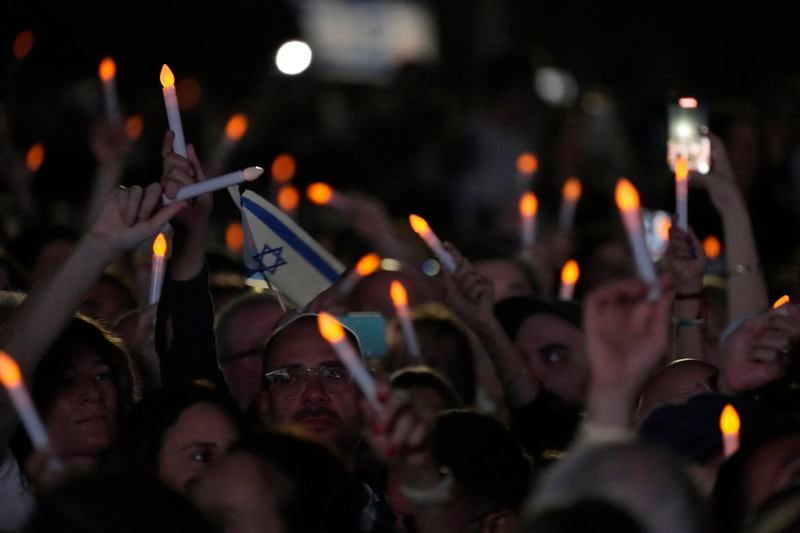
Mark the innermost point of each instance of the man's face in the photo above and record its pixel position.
(334, 416)
(555, 352)
(248, 329)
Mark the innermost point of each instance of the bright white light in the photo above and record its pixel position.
(392, 265)
(293, 57)
(555, 86)
(683, 130)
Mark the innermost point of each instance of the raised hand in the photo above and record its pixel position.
(627, 338)
(720, 182)
(468, 293)
(686, 260)
(759, 350)
(178, 172)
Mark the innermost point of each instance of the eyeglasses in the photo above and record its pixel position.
(291, 382)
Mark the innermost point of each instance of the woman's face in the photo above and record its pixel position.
(82, 420)
(202, 432)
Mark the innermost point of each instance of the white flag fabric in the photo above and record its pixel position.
(278, 251)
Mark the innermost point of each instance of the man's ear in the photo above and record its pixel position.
(263, 406)
(503, 521)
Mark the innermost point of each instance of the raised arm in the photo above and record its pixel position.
(127, 217)
(747, 290)
(472, 297)
(189, 351)
(626, 339)
(686, 261)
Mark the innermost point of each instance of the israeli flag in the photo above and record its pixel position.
(280, 253)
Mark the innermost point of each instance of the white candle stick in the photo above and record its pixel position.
(528, 206)
(332, 331)
(570, 194)
(400, 300)
(569, 277)
(173, 112)
(729, 424)
(157, 268)
(421, 228)
(627, 198)
(215, 184)
(108, 75)
(322, 194)
(682, 193)
(18, 393)
(365, 266)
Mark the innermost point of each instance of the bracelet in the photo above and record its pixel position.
(435, 495)
(690, 296)
(741, 269)
(683, 322)
(509, 381)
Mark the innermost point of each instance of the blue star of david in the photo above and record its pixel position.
(277, 253)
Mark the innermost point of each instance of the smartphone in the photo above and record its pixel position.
(687, 136)
(370, 329)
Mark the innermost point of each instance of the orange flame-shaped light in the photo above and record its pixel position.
(329, 327)
(9, 371)
(681, 169)
(570, 272)
(35, 157)
(398, 294)
(780, 302)
(319, 193)
(712, 247)
(236, 127)
(167, 77)
(234, 236)
(134, 127)
(419, 224)
(283, 168)
(107, 69)
(160, 245)
(626, 195)
(23, 44)
(527, 163)
(288, 198)
(528, 204)
(368, 264)
(729, 422)
(663, 228)
(572, 189)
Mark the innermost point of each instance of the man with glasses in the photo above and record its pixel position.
(305, 384)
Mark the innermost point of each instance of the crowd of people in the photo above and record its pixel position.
(506, 408)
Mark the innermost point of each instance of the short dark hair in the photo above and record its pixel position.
(327, 501)
(428, 378)
(145, 428)
(487, 460)
(227, 313)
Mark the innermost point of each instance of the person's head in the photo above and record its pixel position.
(241, 328)
(83, 385)
(509, 277)
(581, 516)
(767, 463)
(280, 482)
(445, 346)
(550, 337)
(372, 292)
(305, 384)
(108, 299)
(114, 503)
(646, 482)
(42, 250)
(430, 391)
(173, 434)
(492, 473)
(676, 383)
